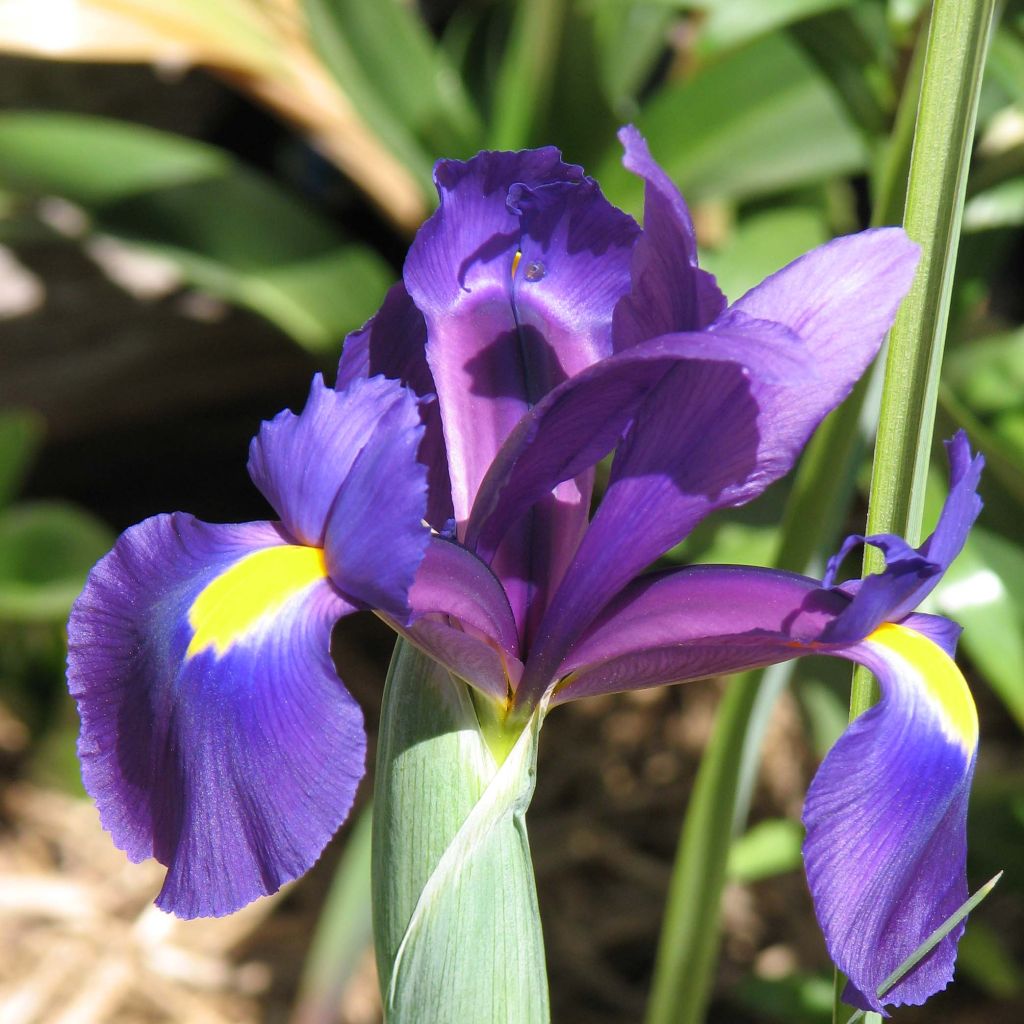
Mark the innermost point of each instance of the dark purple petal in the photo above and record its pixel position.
(694, 622)
(581, 421)
(216, 735)
(707, 438)
(669, 292)
(300, 462)
(910, 574)
(454, 582)
(462, 619)
(886, 822)
(696, 443)
(375, 538)
(393, 344)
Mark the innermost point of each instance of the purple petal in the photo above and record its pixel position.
(454, 582)
(301, 462)
(886, 822)
(695, 444)
(491, 353)
(375, 537)
(696, 622)
(910, 574)
(841, 299)
(216, 735)
(393, 344)
(669, 292)
(581, 421)
(463, 620)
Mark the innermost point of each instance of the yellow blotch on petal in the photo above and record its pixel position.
(515, 263)
(255, 587)
(941, 680)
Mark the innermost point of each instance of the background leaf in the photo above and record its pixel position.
(231, 231)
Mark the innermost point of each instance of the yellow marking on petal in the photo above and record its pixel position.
(515, 263)
(942, 681)
(255, 587)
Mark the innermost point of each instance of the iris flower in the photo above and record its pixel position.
(446, 483)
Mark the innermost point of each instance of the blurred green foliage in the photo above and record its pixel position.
(776, 120)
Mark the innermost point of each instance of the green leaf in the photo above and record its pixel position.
(731, 23)
(21, 433)
(631, 38)
(456, 923)
(523, 87)
(46, 549)
(761, 120)
(230, 230)
(402, 83)
(343, 931)
(989, 374)
(768, 848)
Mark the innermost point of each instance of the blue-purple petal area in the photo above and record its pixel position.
(840, 298)
(301, 462)
(393, 344)
(686, 624)
(216, 735)
(669, 292)
(706, 436)
(517, 275)
(886, 820)
(376, 538)
(573, 268)
(459, 275)
(579, 422)
(910, 574)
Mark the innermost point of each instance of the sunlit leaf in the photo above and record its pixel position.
(230, 230)
(46, 549)
(402, 83)
(225, 33)
(768, 848)
(759, 121)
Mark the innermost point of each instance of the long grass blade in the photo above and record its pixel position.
(933, 940)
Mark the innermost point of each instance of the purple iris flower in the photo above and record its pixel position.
(446, 483)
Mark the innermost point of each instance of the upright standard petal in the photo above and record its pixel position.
(517, 275)
(669, 293)
(216, 735)
(492, 353)
(394, 344)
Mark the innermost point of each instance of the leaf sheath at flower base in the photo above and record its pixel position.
(456, 923)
